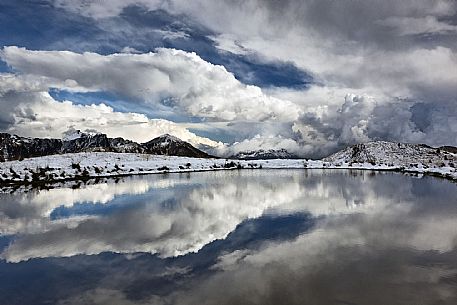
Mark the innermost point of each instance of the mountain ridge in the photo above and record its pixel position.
(14, 147)
(263, 154)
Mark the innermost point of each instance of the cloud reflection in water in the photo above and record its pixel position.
(366, 233)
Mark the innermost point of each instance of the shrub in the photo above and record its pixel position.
(76, 166)
(231, 164)
(85, 173)
(163, 168)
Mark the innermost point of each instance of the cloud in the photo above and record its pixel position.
(418, 26)
(30, 111)
(335, 40)
(175, 78)
(384, 62)
(371, 52)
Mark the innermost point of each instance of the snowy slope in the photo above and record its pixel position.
(397, 156)
(389, 153)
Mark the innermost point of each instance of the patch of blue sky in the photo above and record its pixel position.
(38, 24)
(122, 104)
(118, 204)
(5, 241)
(4, 68)
(163, 199)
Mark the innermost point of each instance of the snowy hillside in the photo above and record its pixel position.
(389, 153)
(397, 156)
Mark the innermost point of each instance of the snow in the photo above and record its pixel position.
(77, 134)
(72, 136)
(107, 164)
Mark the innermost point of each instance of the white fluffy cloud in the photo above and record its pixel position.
(176, 78)
(29, 110)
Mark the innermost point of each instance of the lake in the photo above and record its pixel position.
(232, 237)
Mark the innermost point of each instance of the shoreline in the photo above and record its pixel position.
(81, 167)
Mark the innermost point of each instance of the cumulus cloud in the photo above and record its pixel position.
(29, 110)
(175, 78)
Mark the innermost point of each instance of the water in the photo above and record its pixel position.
(237, 237)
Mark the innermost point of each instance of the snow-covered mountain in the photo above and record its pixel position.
(16, 148)
(396, 154)
(173, 146)
(264, 154)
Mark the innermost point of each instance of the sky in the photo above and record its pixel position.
(228, 76)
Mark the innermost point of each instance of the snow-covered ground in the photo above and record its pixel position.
(105, 164)
(56, 168)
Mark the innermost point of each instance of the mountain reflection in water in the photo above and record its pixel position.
(238, 237)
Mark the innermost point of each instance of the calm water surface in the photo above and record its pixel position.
(238, 237)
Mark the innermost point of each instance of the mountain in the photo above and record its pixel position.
(16, 148)
(172, 146)
(264, 154)
(87, 142)
(397, 154)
